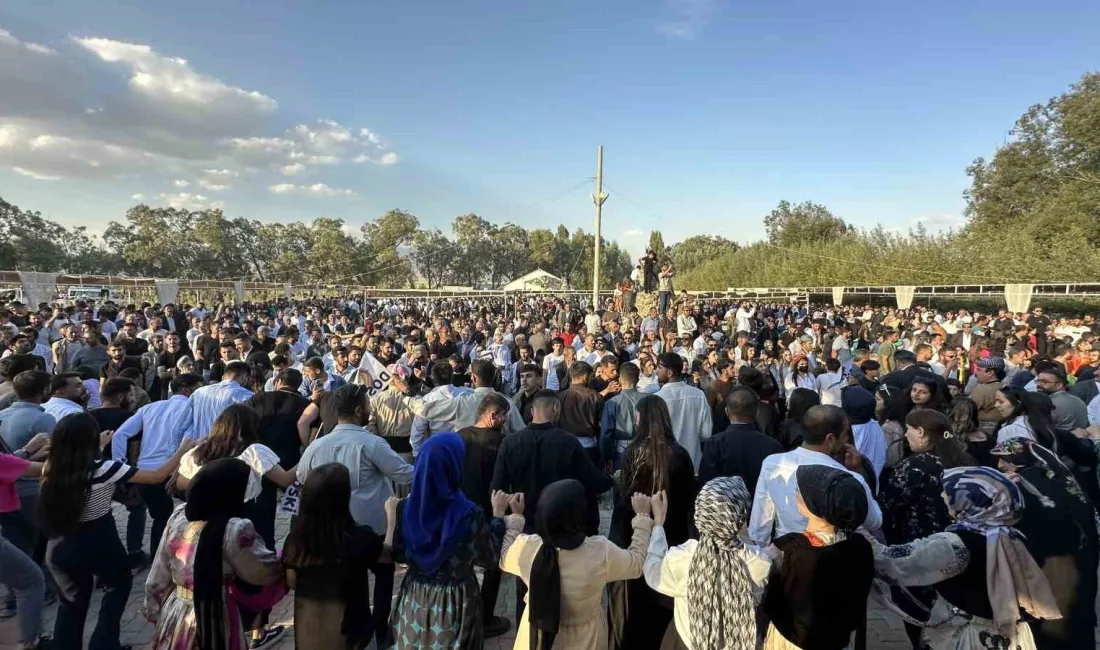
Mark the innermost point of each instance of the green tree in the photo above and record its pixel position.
(434, 255)
(807, 222)
(694, 251)
(657, 243)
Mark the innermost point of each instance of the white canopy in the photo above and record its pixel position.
(537, 280)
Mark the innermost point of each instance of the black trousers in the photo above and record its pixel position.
(160, 505)
(93, 550)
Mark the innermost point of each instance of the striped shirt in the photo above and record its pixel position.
(208, 402)
(101, 487)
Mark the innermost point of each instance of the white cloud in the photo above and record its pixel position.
(138, 197)
(188, 201)
(386, 159)
(688, 18)
(170, 80)
(317, 189)
(939, 221)
(165, 119)
(180, 183)
(361, 158)
(7, 39)
(634, 233)
(35, 175)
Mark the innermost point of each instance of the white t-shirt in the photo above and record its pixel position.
(259, 457)
(829, 386)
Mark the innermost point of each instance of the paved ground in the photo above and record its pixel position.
(884, 629)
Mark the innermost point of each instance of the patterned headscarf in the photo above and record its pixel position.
(719, 587)
(1036, 466)
(987, 502)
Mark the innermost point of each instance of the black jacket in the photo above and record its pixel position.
(539, 455)
(279, 412)
(737, 451)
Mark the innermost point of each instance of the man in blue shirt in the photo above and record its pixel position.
(208, 402)
(161, 426)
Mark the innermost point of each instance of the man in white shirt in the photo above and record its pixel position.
(591, 321)
(1094, 412)
(774, 509)
(744, 317)
(67, 396)
(422, 429)
(688, 408)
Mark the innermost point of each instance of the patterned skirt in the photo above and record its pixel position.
(437, 615)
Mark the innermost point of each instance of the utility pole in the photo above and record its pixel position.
(598, 198)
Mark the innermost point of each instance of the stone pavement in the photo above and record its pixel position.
(884, 631)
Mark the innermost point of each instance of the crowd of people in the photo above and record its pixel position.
(769, 469)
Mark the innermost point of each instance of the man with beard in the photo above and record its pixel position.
(128, 339)
(93, 354)
(1070, 413)
(66, 348)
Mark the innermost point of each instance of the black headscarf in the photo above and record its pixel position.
(561, 521)
(215, 495)
(834, 495)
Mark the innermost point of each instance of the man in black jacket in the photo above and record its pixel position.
(741, 448)
(539, 455)
(279, 412)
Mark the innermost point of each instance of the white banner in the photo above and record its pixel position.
(373, 374)
(286, 289)
(238, 286)
(904, 296)
(38, 287)
(167, 291)
(838, 296)
(291, 498)
(1018, 297)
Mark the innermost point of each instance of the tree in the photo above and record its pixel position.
(695, 251)
(434, 255)
(385, 237)
(657, 244)
(807, 222)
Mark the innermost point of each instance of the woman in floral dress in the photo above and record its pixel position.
(206, 548)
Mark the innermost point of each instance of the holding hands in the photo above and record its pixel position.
(501, 501)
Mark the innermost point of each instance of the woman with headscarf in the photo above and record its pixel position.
(980, 567)
(653, 463)
(1059, 524)
(193, 591)
(441, 535)
(566, 571)
(715, 580)
(817, 589)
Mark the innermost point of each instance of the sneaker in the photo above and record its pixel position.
(496, 625)
(270, 634)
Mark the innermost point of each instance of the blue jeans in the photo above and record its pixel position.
(663, 298)
(19, 572)
(93, 550)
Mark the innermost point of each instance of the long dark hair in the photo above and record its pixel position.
(324, 518)
(647, 459)
(800, 401)
(1037, 408)
(964, 417)
(938, 399)
(74, 450)
(945, 445)
(235, 429)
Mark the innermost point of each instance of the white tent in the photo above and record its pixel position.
(537, 280)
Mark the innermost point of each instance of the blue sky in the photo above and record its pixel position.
(710, 111)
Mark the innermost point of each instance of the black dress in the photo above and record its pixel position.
(638, 613)
(817, 595)
(332, 602)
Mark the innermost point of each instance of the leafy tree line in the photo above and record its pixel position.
(1032, 214)
(390, 251)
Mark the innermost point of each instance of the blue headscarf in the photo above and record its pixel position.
(436, 510)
